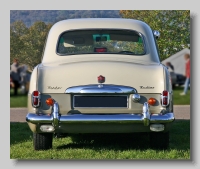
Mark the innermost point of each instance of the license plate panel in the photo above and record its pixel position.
(100, 101)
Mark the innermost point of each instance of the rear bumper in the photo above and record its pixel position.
(57, 120)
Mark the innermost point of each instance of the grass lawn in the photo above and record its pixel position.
(18, 101)
(181, 100)
(101, 146)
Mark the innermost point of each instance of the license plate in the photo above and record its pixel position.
(100, 101)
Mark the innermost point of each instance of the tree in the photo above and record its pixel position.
(27, 44)
(17, 31)
(34, 43)
(173, 25)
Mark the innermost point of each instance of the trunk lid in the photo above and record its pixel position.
(145, 78)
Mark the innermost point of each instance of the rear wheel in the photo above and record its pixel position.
(42, 141)
(159, 140)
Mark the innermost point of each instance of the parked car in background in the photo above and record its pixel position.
(180, 79)
(177, 79)
(100, 76)
(173, 79)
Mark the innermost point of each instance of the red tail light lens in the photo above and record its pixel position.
(36, 99)
(165, 93)
(165, 98)
(35, 93)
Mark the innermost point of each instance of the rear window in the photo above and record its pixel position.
(101, 41)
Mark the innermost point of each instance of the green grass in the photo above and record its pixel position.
(18, 101)
(101, 146)
(181, 100)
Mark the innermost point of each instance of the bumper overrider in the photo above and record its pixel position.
(155, 121)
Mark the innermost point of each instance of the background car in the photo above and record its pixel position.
(180, 79)
(177, 79)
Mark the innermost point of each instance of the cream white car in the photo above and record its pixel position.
(100, 76)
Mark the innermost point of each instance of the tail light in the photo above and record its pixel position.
(36, 99)
(165, 98)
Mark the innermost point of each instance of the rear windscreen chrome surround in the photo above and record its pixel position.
(90, 29)
(100, 101)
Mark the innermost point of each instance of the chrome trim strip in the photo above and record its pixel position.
(105, 88)
(127, 106)
(55, 118)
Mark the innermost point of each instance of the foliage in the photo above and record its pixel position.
(173, 25)
(17, 31)
(27, 37)
(27, 44)
(29, 17)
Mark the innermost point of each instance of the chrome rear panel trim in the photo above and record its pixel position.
(103, 88)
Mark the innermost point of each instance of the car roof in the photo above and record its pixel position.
(118, 23)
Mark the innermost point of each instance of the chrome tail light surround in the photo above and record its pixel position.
(36, 99)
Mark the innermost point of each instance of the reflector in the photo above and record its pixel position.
(35, 101)
(165, 101)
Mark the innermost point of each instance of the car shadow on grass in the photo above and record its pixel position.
(109, 141)
(179, 140)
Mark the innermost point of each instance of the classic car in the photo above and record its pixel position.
(100, 76)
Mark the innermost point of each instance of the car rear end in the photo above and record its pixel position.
(104, 81)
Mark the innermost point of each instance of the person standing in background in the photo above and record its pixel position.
(170, 66)
(187, 74)
(15, 75)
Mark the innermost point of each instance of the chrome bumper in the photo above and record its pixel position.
(56, 119)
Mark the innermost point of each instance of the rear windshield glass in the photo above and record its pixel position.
(101, 41)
